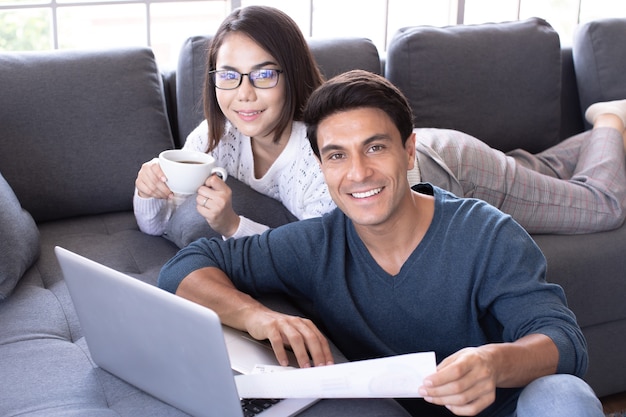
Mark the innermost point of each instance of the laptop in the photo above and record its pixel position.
(172, 348)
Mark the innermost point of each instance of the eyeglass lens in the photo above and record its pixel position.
(262, 78)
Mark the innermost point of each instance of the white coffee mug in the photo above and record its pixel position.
(187, 170)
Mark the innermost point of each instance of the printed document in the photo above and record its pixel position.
(391, 377)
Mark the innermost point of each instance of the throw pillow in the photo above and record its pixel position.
(19, 246)
(187, 225)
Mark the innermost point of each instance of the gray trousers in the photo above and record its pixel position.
(576, 186)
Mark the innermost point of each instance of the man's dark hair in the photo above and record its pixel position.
(352, 90)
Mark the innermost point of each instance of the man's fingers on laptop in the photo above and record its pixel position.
(304, 339)
(296, 341)
(279, 350)
(317, 345)
(307, 343)
(287, 333)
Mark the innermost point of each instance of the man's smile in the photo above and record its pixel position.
(366, 194)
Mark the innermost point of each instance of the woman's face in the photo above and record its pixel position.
(253, 111)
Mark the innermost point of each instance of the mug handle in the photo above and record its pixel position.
(220, 172)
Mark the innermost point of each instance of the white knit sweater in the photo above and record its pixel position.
(294, 179)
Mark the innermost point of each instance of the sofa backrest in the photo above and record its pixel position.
(75, 127)
(498, 82)
(333, 56)
(600, 61)
(572, 117)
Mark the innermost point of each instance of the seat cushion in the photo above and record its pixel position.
(498, 82)
(111, 239)
(600, 61)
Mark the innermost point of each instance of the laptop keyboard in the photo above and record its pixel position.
(251, 407)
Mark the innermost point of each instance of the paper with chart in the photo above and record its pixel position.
(392, 377)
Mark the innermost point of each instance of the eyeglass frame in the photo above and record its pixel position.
(241, 75)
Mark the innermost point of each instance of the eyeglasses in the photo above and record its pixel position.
(229, 79)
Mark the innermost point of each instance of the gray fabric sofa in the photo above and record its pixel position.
(75, 127)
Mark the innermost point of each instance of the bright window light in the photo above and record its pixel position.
(165, 24)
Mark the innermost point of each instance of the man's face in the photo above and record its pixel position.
(365, 164)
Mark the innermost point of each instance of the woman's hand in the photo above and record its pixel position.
(151, 182)
(214, 203)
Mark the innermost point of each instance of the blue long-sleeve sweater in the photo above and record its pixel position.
(477, 277)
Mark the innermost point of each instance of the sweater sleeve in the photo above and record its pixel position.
(240, 259)
(514, 290)
(249, 227)
(276, 261)
(152, 214)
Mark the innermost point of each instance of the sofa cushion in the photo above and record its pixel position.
(19, 246)
(63, 381)
(599, 60)
(590, 268)
(333, 57)
(187, 225)
(111, 239)
(338, 55)
(76, 127)
(189, 85)
(498, 82)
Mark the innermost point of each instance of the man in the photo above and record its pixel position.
(396, 270)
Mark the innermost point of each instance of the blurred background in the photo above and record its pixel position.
(165, 24)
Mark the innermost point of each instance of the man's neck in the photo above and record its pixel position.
(391, 243)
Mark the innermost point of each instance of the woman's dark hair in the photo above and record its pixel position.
(281, 37)
(357, 89)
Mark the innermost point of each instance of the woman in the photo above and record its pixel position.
(260, 72)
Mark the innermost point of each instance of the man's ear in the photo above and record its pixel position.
(409, 146)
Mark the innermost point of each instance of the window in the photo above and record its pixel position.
(69, 24)
(165, 24)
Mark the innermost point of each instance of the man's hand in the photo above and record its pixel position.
(308, 344)
(211, 287)
(465, 382)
